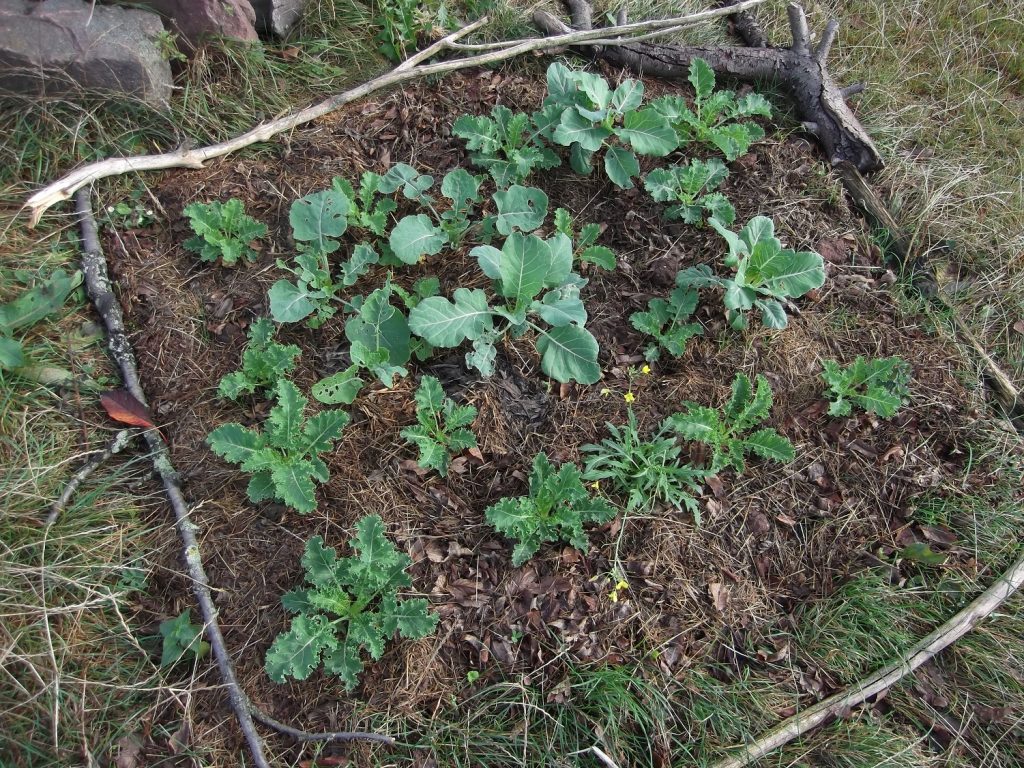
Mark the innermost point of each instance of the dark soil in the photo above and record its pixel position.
(769, 540)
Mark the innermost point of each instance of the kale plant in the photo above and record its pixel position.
(878, 386)
(766, 274)
(583, 113)
(555, 509)
(533, 281)
(665, 320)
(283, 459)
(692, 188)
(367, 210)
(223, 231)
(647, 471)
(506, 144)
(726, 432)
(711, 120)
(264, 361)
(442, 430)
(348, 604)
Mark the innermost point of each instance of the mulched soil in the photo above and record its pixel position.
(769, 540)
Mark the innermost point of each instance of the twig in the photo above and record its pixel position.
(300, 735)
(885, 678)
(118, 444)
(65, 187)
(98, 286)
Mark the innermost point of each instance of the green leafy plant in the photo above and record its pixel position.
(41, 299)
(368, 209)
(665, 320)
(726, 432)
(507, 144)
(555, 509)
(348, 604)
(181, 638)
(223, 231)
(711, 121)
(691, 186)
(264, 361)
(283, 459)
(132, 213)
(419, 235)
(647, 471)
(766, 273)
(533, 281)
(589, 114)
(402, 23)
(442, 430)
(582, 243)
(879, 386)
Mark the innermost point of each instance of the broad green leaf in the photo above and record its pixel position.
(580, 159)
(234, 442)
(416, 236)
(446, 323)
(599, 255)
(320, 431)
(344, 662)
(296, 653)
(561, 84)
(524, 265)
(769, 444)
(411, 181)
(429, 395)
(773, 314)
(289, 303)
(35, 303)
(563, 222)
(558, 311)
(483, 355)
(294, 486)
(648, 132)
(319, 563)
(461, 187)
(621, 166)
(11, 354)
(574, 128)
(284, 424)
(629, 95)
(363, 257)
(180, 638)
(702, 78)
(478, 132)
(569, 353)
(261, 488)
(342, 387)
(413, 619)
(489, 259)
(879, 401)
(520, 208)
(698, 423)
(595, 87)
(319, 217)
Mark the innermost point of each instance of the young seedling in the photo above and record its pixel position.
(283, 459)
(507, 144)
(590, 114)
(36, 302)
(348, 604)
(646, 471)
(691, 186)
(710, 121)
(766, 274)
(181, 638)
(442, 430)
(264, 362)
(726, 432)
(555, 509)
(223, 231)
(533, 281)
(367, 209)
(665, 320)
(878, 386)
(582, 243)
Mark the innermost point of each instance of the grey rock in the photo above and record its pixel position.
(57, 46)
(197, 19)
(277, 17)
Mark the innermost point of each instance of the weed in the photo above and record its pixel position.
(443, 428)
(665, 320)
(181, 638)
(879, 386)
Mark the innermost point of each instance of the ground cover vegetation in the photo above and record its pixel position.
(669, 640)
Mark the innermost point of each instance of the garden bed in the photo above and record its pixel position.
(769, 541)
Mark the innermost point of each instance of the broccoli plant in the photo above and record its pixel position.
(442, 430)
(712, 119)
(506, 144)
(665, 320)
(223, 231)
(555, 509)
(692, 188)
(367, 210)
(726, 432)
(263, 363)
(533, 281)
(766, 274)
(590, 114)
(878, 386)
(582, 243)
(347, 604)
(283, 459)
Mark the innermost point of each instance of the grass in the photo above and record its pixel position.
(944, 105)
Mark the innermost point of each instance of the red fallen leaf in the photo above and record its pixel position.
(122, 407)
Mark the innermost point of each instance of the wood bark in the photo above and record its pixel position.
(820, 101)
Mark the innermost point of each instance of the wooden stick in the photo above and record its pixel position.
(885, 678)
(65, 187)
(118, 444)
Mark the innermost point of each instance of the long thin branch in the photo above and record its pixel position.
(885, 678)
(118, 444)
(98, 286)
(65, 187)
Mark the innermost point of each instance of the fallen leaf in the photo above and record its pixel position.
(181, 739)
(1019, 326)
(122, 407)
(719, 595)
(129, 751)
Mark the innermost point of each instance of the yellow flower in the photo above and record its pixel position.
(605, 392)
(613, 596)
(629, 397)
(622, 585)
(645, 370)
(596, 484)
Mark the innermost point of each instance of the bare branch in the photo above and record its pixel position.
(118, 444)
(300, 735)
(798, 28)
(852, 90)
(827, 38)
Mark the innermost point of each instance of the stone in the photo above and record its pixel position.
(277, 17)
(57, 46)
(194, 20)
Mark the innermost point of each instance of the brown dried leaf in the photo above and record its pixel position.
(122, 407)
